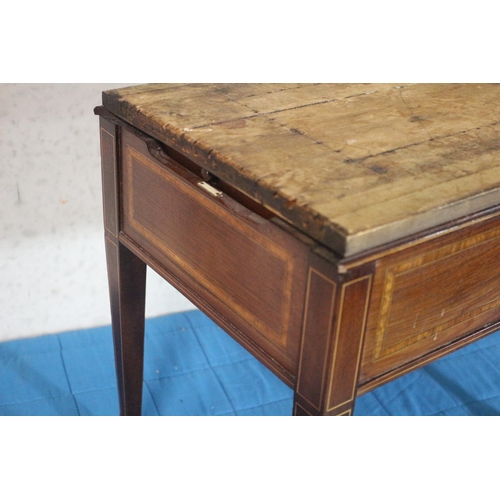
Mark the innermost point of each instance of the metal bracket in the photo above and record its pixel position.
(210, 189)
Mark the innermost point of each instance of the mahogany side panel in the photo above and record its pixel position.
(432, 294)
(245, 267)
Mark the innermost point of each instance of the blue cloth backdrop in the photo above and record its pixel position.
(193, 368)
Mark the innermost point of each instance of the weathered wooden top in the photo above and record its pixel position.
(352, 165)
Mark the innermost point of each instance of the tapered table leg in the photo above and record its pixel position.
(127, 282)
(127, 287)
(332, 339)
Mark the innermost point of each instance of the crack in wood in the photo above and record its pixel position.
(434, 139)
(414, 117)
(303, 134)
(281, 110)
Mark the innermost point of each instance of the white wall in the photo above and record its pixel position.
(52, 261)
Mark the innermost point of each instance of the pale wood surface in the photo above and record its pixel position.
(352, 165)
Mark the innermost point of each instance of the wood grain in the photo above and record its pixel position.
(332, 338)
(127, 283)
(430, 295)
(353, 166)
(236, 260)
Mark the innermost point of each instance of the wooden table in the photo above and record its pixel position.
(343, 234)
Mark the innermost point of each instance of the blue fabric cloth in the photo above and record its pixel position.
(191, 367)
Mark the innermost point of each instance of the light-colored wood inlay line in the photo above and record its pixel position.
(120, 309)
(330, 319)
(369, 386)
(419, 263)
(438, 329)
(111, 230)
(303, 409)
(278, 338)
(339, 323)
(345, 413)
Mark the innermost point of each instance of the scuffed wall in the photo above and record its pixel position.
(52, 262)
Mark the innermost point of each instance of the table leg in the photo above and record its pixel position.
(332, 340)
(127, 287)
(127, 283)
